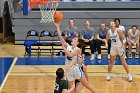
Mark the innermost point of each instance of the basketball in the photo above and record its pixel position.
(58, 16)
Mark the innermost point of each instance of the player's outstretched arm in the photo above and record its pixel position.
(63, 42)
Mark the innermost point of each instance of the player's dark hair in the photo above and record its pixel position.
(134, 26)
(59, 73)
(116, 20)
(79, 40)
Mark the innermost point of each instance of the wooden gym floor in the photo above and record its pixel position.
(40, 79)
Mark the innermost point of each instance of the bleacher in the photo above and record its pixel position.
(98, 11)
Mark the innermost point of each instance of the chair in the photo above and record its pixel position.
(56, 41)
(56, 44)
(45, 40)
(32, 39)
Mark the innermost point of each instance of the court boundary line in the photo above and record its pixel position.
(8, 73)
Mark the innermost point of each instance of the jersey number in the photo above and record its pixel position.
(114, 40)
(56, 86)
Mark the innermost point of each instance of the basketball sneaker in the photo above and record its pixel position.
(108, 77)
(129, 77)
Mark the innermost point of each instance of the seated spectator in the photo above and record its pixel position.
(71, 31)
(133, 39)
(101, 39)
(88, 36)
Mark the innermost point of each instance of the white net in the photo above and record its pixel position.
(48, 10)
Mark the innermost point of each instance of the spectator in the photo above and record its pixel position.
(133, 39)
(101, 39)
(88, 36)
(71, 31)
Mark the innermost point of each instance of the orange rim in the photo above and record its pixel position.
(48, 2)
(33, 3)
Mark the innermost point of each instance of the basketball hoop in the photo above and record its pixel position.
(47, 9)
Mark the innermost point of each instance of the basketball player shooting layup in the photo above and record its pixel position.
(72, 52)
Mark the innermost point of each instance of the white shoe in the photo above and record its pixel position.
(108, 56)
(92, 57)
(130, 55)
(129, 77)
(137, 55)
(83, 56)
(99, 56)
(108, 77)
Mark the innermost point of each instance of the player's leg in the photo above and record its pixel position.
(78, 87)
(70, 84)
(109, 46)
(122, 58)
(79, 74)
(69, 76)
(85, 83)
(125, 65)
(137, 50)
(110, 66)
(111, 63)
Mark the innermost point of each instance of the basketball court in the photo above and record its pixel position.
(36, 74)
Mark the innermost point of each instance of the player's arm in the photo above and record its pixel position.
(69, 66)
(107, 38)
(85, 71)
(63, 42)
(71, 54)
(122, 36)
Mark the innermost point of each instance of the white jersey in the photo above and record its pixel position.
(74, 72)
(115, 39)
(121, 28)
(116, 44)
(68, 60)
(134, 36)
